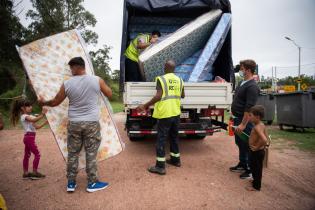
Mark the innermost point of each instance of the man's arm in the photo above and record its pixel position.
(183, 93)
(155, 99)
(243, 124)
(61, 95)
(105, 89)
(252, 93)
(142, 45)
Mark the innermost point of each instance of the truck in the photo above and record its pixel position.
(204, 107)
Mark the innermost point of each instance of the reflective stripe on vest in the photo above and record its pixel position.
(132, 52)
(166, 90)
(169, 105)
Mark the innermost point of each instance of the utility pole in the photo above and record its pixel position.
(272, 82)
(299, 72)
(275, 78)
(299, 75)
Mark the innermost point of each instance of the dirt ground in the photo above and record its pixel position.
(203, 181)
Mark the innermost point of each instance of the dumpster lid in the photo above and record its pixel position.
(295, 93)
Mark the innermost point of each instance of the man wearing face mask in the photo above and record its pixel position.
(246, 95)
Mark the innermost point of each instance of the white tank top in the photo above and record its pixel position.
(83, 92)
(28, 126)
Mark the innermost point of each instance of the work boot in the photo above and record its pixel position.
(157, 170)
(174, 162)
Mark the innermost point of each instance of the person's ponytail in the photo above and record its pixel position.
(15, 112)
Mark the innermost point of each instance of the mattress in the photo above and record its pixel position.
(178, 46)
(46, 63)
(184, 69)
(211, 50)
(165, 25)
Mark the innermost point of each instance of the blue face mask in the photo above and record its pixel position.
(241, 73)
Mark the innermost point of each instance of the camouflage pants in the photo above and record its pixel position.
(85, 134)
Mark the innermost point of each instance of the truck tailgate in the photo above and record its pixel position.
(198, 95)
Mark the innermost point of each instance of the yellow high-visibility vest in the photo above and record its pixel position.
(132, 52)
(169, 105)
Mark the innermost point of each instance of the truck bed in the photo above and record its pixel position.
(198, 95)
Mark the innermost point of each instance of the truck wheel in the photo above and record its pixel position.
(196, 136)
(269, 122)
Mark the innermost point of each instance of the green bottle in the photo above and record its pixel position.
(244, 136)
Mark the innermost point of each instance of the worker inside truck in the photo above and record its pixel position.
(136, 46)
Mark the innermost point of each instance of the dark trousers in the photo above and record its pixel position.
(132, 71)
(243, 145)
(167, 127)
(256, 165)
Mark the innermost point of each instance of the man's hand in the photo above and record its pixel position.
(44, 110)
(240, 128)
(40, 101)
(141, 108)
(61, 95)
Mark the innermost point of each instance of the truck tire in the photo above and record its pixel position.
(269, 122)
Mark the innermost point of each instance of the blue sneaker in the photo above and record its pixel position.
(71, 186)
(96, 186)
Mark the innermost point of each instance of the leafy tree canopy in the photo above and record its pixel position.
(54, 16)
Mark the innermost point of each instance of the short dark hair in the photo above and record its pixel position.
(258, 110)
(76, 61)
(156, 32)
(249, 64)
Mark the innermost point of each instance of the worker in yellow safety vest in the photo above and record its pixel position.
(170, 89)
(136, 46)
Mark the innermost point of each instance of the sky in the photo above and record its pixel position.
(258, 31)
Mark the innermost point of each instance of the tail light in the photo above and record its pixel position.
(212, 112)
(136, 113)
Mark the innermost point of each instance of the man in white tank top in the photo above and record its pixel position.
(83, 93)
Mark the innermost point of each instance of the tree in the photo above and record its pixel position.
(100, 60)
(54, 16)
(12, 33)
(116, 75)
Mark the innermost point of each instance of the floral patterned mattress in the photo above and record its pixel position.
(46, 63)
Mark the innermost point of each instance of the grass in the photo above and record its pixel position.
(303, 140)
(117, 106)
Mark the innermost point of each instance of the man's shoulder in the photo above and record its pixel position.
(251, 84)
